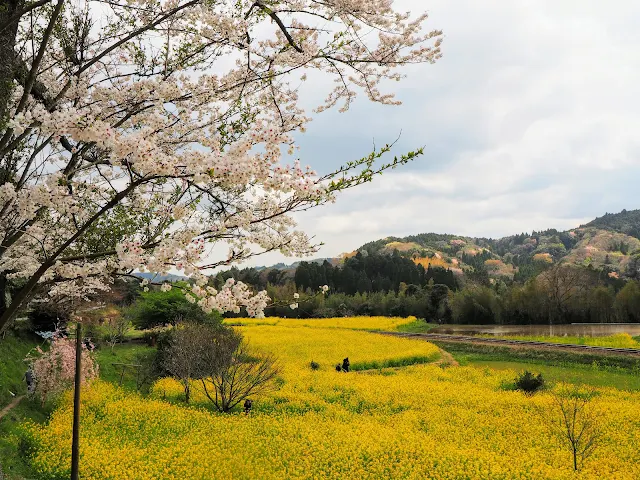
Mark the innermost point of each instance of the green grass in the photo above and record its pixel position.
(135, 334)
(417, 326)
(393, 362)
(554, 368)
(13, 349)
(620, 340)
(13, 463)
(545, 356)
(123, 353)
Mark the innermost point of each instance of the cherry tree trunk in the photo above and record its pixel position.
(9, 18)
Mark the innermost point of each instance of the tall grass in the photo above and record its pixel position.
(13, 350)
(618, 340)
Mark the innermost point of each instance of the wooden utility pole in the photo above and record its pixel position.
(75, 445)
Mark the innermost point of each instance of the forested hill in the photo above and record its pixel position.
(610, 243)
(608, 246)
(627, 222)
(448, 277)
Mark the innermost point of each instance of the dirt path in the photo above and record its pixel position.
(519, 344)
(447, 358)
(9, 407)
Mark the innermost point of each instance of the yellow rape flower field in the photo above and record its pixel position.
(297, 347)
(352, 323)
(422, 421)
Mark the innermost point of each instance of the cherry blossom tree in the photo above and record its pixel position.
(54, 369)
(137, 134)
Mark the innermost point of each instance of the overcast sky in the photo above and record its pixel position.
(531, 120)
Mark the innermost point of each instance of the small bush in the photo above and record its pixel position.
(94, 332)
(529, 383)
(155, 308)
(314, 365)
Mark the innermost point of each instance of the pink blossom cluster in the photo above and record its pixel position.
(54, 369)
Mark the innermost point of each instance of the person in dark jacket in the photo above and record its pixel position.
(30, 380)
(346, 364)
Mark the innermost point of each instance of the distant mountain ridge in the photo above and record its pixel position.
(161, 278)
(284, 266)
(610, 243)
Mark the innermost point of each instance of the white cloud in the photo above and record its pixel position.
(530, 121)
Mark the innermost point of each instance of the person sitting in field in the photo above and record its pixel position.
(247, 406)
(346, 364)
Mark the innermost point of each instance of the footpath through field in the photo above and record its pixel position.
(530, 344)
(9, 407)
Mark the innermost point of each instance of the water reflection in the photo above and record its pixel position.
(573, 330)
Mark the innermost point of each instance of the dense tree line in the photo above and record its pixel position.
(392, 284)
(365, 284)
(560, 294)
(362, 273)
(429, 302)
(370, 273)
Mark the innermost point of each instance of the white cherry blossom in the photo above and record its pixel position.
(139, 134)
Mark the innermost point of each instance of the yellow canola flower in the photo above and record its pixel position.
(350, 323)
(297, 347)
(422, 421)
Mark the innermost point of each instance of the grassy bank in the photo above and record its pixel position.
(13, 350)
(551, 357)
(588, 369)
(417, 326)
(619, 340)
(14, 465)
(111, 363)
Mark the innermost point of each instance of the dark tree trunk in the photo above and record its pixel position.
(9, 19)
(4, 293)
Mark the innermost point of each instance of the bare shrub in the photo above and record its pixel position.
(115, 329)
(575, 423)
(182, 357)
(232, 372)
(228, 370)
